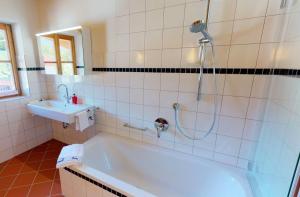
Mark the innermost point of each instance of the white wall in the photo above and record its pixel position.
(19, 131)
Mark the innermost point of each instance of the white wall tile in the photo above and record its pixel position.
(174, 16)
(153, 58)
(256, 109)
(261, 86)
(171, 58)
(137, 22)
(274, 28)
(154, 4)
(136, 96)
(234, 106)
(250, 9)
(137, 41)
(188, 83)
(252, 130)
(173, 2)
(154, 19)
(243, 56)
(221, 32)
(238, 85)
(169, 82)
(154, 39)
(137, 5)
(122, 24)
(167, 98)
(267, 55)
(189, 57)
(152, 81)
(228, 145)
(151, 97)
(232, 127)
(137, 59)
(172, 38)
(222, 10)
(247, 150)
(247, 31)
(122, 7)
(122, 58)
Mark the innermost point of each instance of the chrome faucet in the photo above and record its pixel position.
(67, 97)
(161, 125)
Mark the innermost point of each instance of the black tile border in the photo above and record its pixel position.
(95, 183)
(235, 71)
(31, 69)
(239, 71)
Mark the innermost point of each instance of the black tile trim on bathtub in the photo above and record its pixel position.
(31, 69)
(240, 71)
(95, 183)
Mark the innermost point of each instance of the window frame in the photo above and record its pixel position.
(59, 62)
(13, 61)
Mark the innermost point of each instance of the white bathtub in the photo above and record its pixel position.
(136, 169)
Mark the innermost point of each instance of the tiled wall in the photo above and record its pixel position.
(155, 33)
(139, 98)
(278, 147)
(19, 131)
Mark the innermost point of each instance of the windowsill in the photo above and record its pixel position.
(12, 98)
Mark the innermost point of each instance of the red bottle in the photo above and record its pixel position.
(74, 99)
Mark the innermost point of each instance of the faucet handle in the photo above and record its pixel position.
(161, 124)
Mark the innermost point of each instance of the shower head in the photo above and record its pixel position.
(200, 26)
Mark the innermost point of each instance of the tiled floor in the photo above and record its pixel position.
(33, 173)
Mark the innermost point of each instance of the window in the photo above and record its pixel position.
(58, 53)
(9, 82)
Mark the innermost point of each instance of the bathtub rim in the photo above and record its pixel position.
(131, 190)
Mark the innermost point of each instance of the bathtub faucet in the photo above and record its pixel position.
(161, 125)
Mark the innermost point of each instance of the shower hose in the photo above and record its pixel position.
(176, 106)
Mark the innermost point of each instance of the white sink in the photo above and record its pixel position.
(57, 110)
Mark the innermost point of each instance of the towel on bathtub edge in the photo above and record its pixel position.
(70, 155)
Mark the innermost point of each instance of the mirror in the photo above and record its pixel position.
(65, 52)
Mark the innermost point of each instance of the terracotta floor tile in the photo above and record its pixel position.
(2, 165)
(19, 159)
(2, 193)
(56, 188)
(40, 189)
(40, 148)
(52, 155)
(32, 172)
(45, 175)
(36, 156)
(18, 192)
(11, 170)
(57, 177)
(30, 167)
(24, 179)
(5, 182)
(48, 164)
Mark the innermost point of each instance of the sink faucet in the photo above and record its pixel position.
(67, 97)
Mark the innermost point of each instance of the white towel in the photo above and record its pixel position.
(82, 121)
(70, 155)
